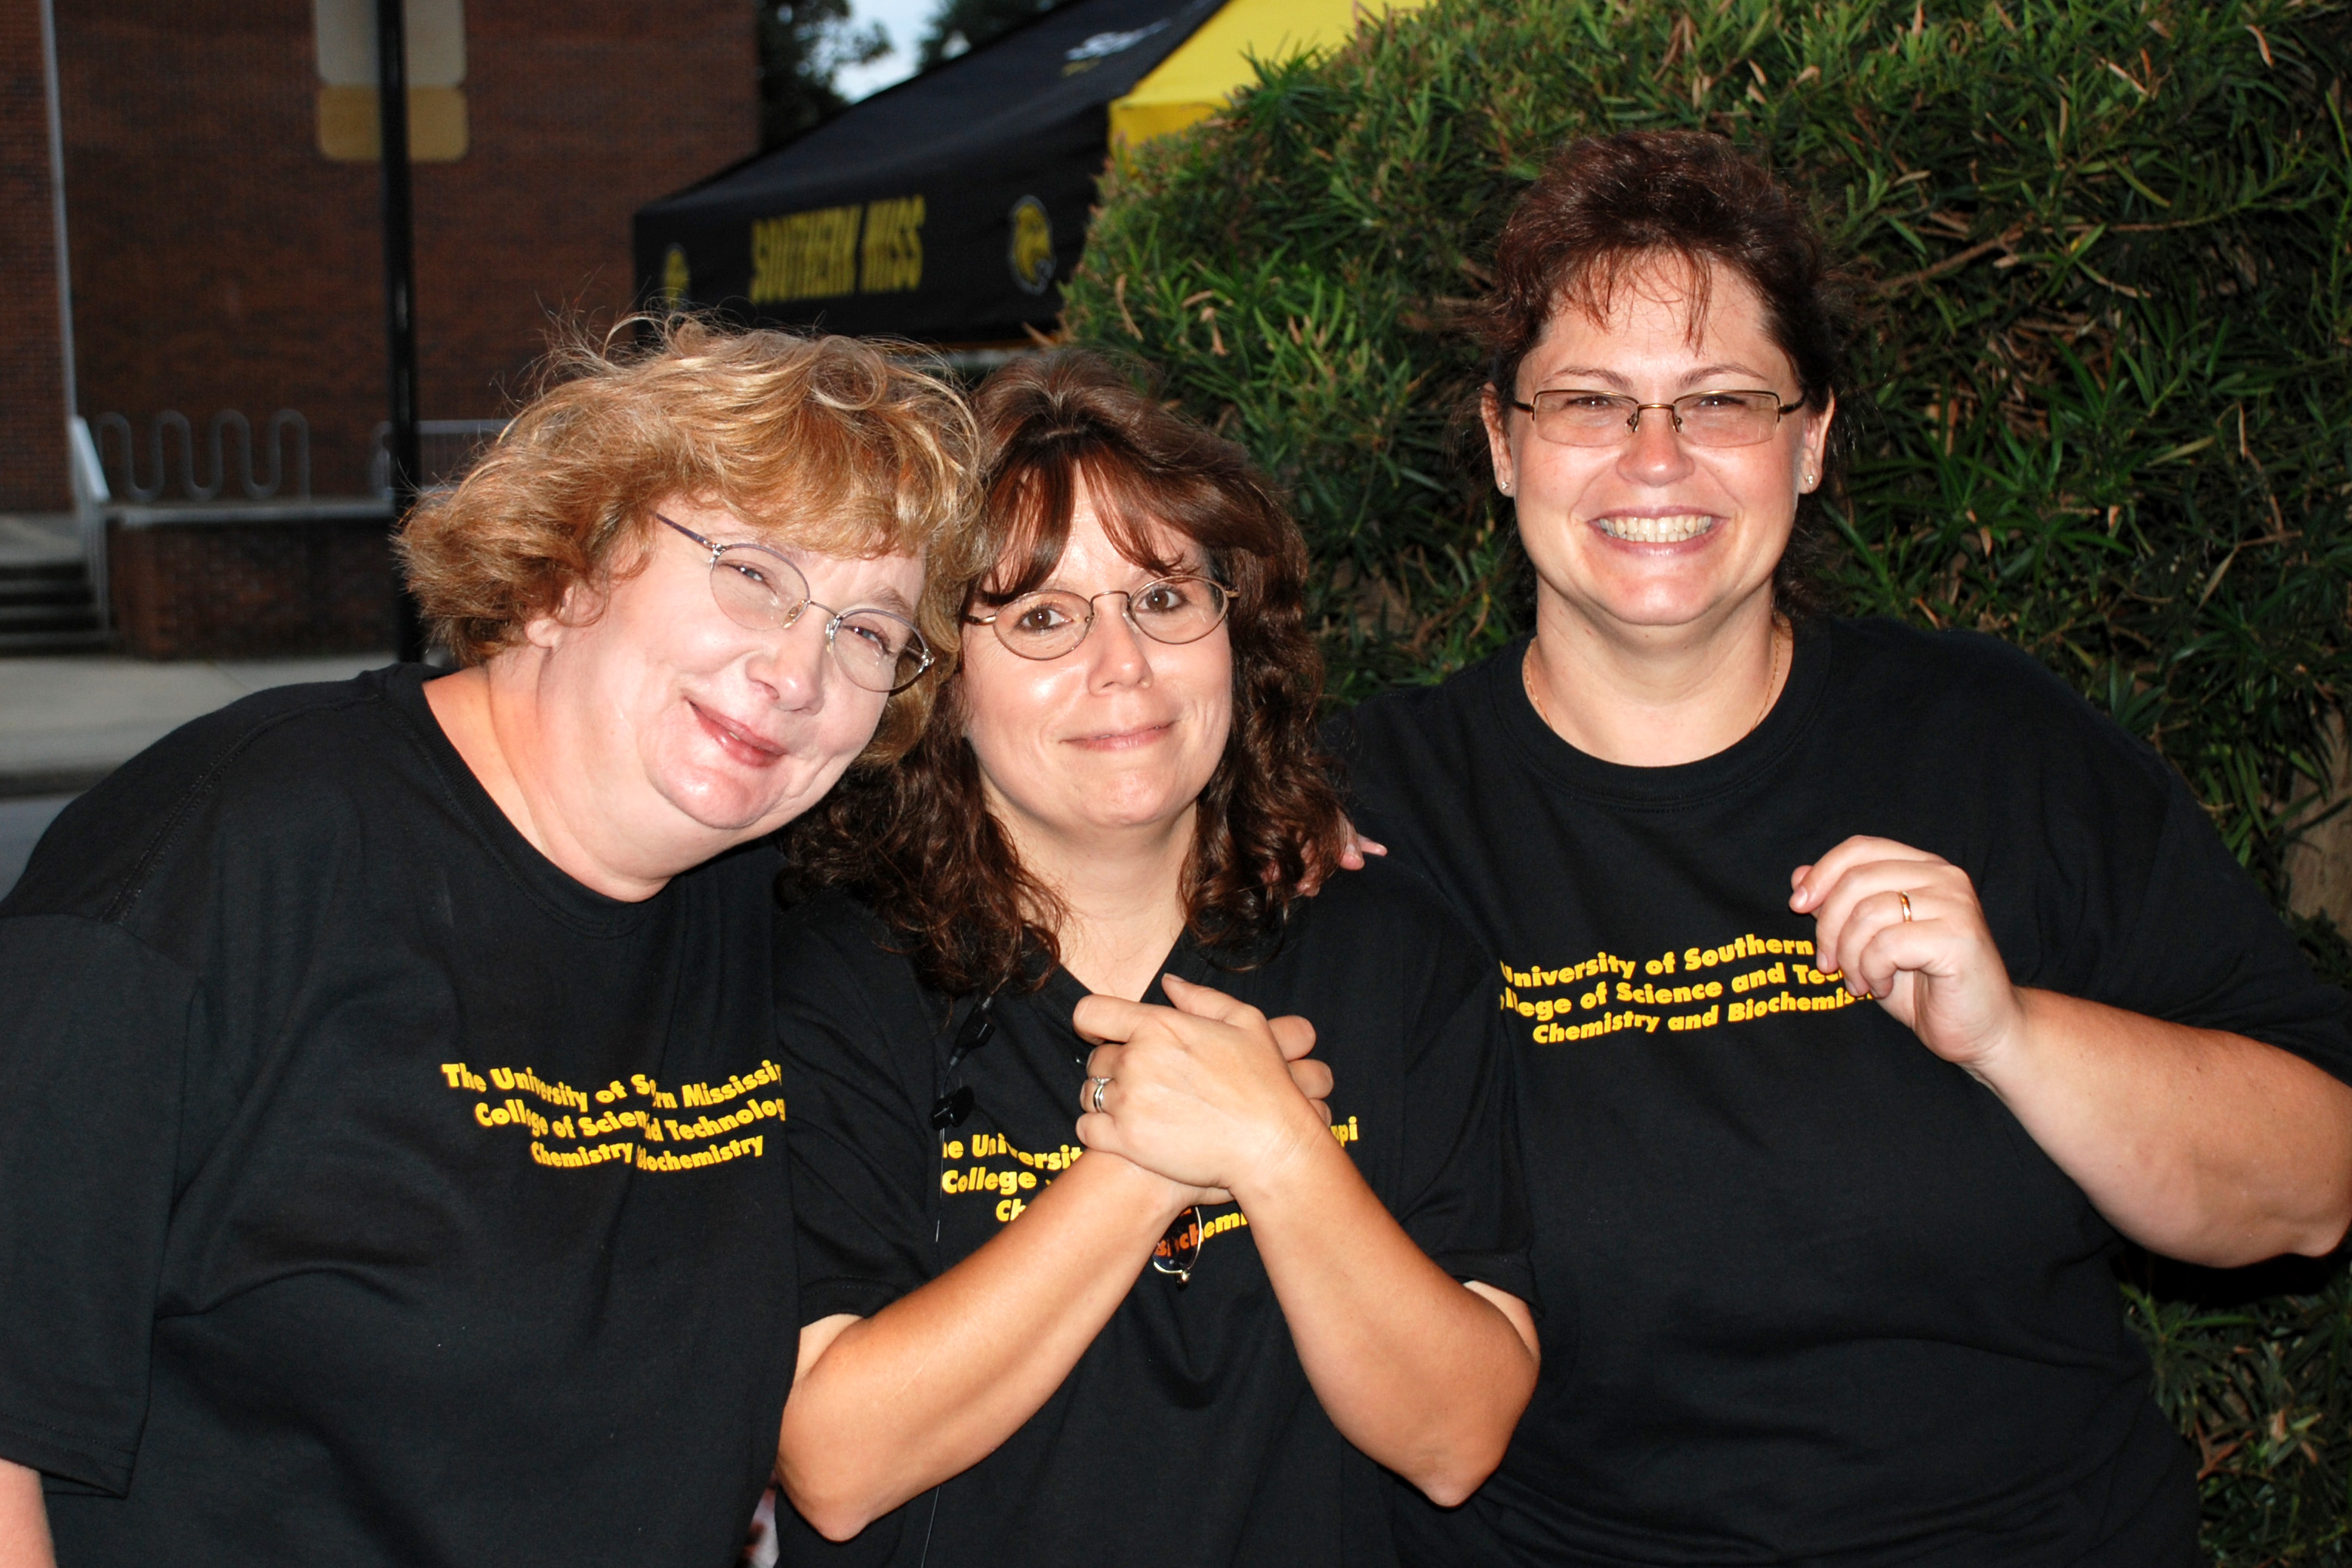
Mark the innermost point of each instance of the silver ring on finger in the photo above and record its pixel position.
(1905, 899)
(1095, 1099)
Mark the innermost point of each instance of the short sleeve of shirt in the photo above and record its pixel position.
(852, 1027)
(2195, 942)
(92, 1048)
(1460, 1194)
(1468, 1210)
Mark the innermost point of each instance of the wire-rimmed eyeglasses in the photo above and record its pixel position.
(1051, 622)
(763, 591)
(1576, 416)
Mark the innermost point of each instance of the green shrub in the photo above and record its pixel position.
(2105, 404)
(2261, 1383)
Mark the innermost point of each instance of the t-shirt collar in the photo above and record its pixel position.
(1617, 783)
(563, 897)
(1185, 961)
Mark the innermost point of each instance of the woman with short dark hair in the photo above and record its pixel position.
(1190, 1329)
(1869, 990)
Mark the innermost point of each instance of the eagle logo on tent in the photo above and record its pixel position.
(1102, 46)
(677, 281)
(1032, 256)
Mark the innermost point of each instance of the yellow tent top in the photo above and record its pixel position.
(1211, 66)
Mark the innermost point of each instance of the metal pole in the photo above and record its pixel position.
(399, 289)
(89, 522)
(58, 212)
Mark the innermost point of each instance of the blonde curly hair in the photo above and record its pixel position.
(825, 443)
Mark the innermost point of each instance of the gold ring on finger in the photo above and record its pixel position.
(1905, 899)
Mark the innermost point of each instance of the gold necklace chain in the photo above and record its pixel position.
(1771, 682)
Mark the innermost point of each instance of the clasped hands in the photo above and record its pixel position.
(1209, 1093)
(1906, 927)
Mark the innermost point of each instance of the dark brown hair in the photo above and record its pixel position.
(1610, 208)
(917, 841)
(825, 443)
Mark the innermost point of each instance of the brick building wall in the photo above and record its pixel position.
(33, 474)
(252, 590)
(221, 262)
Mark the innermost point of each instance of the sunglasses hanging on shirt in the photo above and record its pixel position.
(1179, 1251)
(954, 1105)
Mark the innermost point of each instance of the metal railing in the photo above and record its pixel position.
(124, 483)
(446, 448)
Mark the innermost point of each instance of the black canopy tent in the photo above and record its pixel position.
(945, 209)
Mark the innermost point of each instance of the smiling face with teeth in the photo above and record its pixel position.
(1654, 541)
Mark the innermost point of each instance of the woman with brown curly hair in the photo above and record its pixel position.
(1869, 990)
(1190, 1329)
(391, 1169)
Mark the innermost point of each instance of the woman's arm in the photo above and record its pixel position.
(1424, 1376)
(2202, 1145)
(24, 1520)
(885, 1408)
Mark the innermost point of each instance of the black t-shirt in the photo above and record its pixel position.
(370, 1190)
(1187, 1433)
(1812, 1293)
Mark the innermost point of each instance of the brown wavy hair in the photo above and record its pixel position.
(823, 442)
(917, 841)
(1609, 207)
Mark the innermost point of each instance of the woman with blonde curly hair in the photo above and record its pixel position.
(392, 1156)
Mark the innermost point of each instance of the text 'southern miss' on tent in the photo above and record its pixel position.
(949, 208)
(945, 208)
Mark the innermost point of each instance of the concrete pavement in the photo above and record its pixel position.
(22, 823)
(68, 719)
(39, 539)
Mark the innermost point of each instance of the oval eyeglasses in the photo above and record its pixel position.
(761, 591)
(1051, 622)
